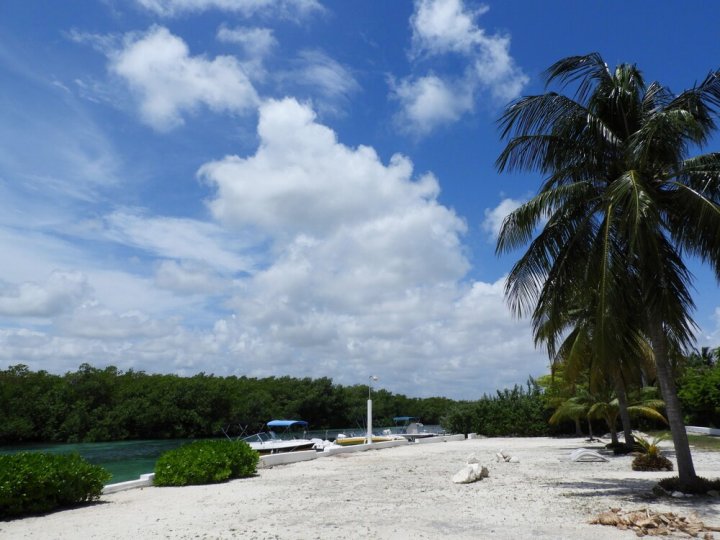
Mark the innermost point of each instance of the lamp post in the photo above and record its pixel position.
(373, 379)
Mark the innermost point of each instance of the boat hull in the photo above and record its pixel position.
(277, 447)
(351, 441)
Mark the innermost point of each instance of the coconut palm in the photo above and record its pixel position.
(621, 202)
(644, 402)
(577, 354)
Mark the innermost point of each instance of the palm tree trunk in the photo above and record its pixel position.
(613, 431)
(590, 429)
(578, 429)
(623, 406)
(686, 469)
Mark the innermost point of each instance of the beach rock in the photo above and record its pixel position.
(677, 494)
(503, 457)
(470, 473)
(472, 458)
(713, 493)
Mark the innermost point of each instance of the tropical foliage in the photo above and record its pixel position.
(33, 482)
(699, 390)
(621, 202)
(520, 412)
(93, 404)
(205, 462)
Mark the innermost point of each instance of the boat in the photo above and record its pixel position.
(269, 441)
(344, 440)
(410, 428)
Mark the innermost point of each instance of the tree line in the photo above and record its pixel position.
(93, 404)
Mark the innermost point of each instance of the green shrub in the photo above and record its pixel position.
(516, 412)
(700, 487)
(33, 482)
(205, 462)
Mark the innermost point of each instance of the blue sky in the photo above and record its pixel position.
(303, 188)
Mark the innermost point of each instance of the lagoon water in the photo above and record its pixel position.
(127, 460)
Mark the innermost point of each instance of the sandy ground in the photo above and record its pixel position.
(394, 493)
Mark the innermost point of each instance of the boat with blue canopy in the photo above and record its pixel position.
(281, 436)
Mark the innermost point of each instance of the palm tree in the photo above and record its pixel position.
(577, 354)
(620, 203)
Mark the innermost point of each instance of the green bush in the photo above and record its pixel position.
(205, 462)
(35, 482)
(518, 412)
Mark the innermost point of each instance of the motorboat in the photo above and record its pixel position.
(280, 436)
(410, 428)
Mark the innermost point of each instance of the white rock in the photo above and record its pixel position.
(499, 457)
(472, 458)
(677, 494)
(470, 473)
(514, 459)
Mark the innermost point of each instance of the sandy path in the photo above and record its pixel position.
(395, 493)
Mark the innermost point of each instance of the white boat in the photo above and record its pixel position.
(269, 442)
(411, 429)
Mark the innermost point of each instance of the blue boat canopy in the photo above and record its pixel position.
(404, 418)
(287, 423)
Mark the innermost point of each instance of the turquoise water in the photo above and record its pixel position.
(126, 460)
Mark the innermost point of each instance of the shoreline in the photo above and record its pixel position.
(398, 492)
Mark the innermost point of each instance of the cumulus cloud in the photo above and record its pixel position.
(447, 27)
(430, 101)
(494, 217)
(302, 180)
(368, 269)
(441, 26)
(247, 8)
(361, 270)
(61, 292)
(169, 82)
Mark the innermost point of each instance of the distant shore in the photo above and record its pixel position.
(396, 493)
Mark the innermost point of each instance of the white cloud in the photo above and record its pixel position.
(301, 180)
(256, 42)
(61, 292)
(282, 8)
(494, 217)
(189, 277)
(331, 84)
(442, 27)
(368, 269)
(177, 238)
(429, 102)
(92, 320)
(361, 271)
(169, 82)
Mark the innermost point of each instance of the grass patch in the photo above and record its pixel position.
(701, 442)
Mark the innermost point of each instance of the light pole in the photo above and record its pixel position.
(373, 379)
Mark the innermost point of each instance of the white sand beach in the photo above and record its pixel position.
(394, 493)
